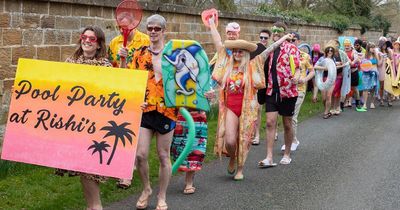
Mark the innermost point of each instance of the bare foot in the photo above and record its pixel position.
(143, 201)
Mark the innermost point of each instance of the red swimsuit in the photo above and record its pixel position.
(235, 92)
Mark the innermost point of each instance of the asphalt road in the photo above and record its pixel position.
(345, 162)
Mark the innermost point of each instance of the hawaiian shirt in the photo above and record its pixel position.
(287, 88)
(139, 39)
(142, 60)
(305, 64)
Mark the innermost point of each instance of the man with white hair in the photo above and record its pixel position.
(157, 119)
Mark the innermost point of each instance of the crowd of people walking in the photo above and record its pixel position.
(274, 73)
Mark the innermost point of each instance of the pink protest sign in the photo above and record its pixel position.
(75, 117)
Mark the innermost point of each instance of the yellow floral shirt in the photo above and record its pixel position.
(139, 40)
(305, 63)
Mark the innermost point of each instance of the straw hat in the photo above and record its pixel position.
(240, 44)
(332, 44)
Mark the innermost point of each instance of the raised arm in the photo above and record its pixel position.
(275, 45)
(216, 37)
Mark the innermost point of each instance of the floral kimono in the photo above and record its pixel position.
(253, 79)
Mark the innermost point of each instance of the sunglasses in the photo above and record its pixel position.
(293, 40)
(330, 50)
(275, 29)
(155, 29)
(264, 37)
(92, 39)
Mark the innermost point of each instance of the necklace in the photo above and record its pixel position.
(154, 52)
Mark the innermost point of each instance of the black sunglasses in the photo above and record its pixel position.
(156, 29)
(293, 40)
(264, 37)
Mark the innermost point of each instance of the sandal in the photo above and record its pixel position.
(231, 172)
(239, 178)
(285, 161)
(162, 207)
(189, 190)
(124, 184)
(255, 142)
(142, 204)
(372, 106)
(327, 115)
(266, 164)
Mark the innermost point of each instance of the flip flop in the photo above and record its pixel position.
(162, 207)
(123, 185)
(285, 161)
(189, 190)
(328, 115)
(142, 204)
(241, 178)
(266, 164)
(255, 142)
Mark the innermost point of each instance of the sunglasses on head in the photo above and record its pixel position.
(264, 37)
(84, 37)
(275, 29)
(156, 29)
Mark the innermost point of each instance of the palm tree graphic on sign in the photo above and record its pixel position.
(120, 132)
(99, 147)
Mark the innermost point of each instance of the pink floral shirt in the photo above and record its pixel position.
(287, 89)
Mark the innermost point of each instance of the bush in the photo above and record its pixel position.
(337, 21)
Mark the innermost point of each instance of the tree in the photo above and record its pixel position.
(119, 132)
(99, 147)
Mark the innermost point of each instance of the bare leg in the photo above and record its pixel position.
(142, 164)
(272, 117)
(189, 179)
(231, 138)
(372, 98)
(381, 88)
(287, 125)
(163, 150)
(256, 139)
(315, 91)
(365, 98)
(91, 191)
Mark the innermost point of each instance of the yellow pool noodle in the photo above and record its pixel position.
(292, 65)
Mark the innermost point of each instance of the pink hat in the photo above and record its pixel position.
(233, 26)
(316, 47)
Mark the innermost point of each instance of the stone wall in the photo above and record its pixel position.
(49, 29)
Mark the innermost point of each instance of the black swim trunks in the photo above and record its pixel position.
(157, 122)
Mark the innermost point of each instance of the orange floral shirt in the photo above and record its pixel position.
(142, 60)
